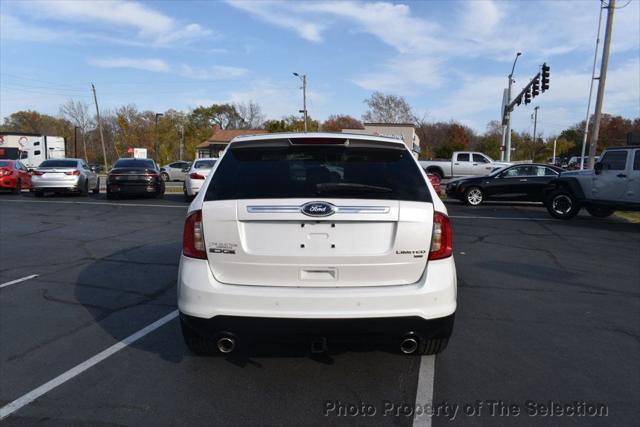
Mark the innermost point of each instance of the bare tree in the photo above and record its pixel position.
(78, 113)
(250, 114)
(387, 109)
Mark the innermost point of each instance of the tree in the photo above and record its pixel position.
(337, 122)
(78, 113)
(291, 124)
(224, 115)
(387, 109)
(250, 114)
(441, 139)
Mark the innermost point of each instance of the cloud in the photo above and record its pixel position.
(13, 28)
(151, 64)
(280, 14)
(402, 75)
(149, 24)
(214, 72)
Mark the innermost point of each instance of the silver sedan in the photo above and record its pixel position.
(64, 175)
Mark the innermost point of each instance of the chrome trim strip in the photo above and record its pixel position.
(339, 209)
(273, 209)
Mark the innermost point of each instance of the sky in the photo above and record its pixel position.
(449, 59)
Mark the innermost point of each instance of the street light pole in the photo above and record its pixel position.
(535, 123)
(304, 97)
(507, 114)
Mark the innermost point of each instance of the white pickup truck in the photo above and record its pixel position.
(462, 163)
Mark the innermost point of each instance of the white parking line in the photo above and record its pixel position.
(501, 218)
(13, 282)
(98, 203)
(424, 393)
(10, 408)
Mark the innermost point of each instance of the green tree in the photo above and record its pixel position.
(337, 122)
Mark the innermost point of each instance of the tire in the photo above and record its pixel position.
(562, 205)
(196, 343)
(111, 196)
(97, 189)
(165, 176)
(473, 196)
(38, 193)
(84, 192)
(159, 195)
(600, 212)
(434, 346)
(18, 188)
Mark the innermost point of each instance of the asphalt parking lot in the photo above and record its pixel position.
(549, 311)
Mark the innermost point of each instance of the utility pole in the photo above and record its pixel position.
(601, 82)
(554, 151)
(593, 78)
(304, 97)
(104, 152)
(507, 114)
(535, 122)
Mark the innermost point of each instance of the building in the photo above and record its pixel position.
(404, 131)
(219, 140)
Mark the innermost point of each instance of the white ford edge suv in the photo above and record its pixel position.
(320, 237)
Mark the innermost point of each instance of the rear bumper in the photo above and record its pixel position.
(292, 328)
(134, 188)
(55, 185)
(192, 186)
(432, 297)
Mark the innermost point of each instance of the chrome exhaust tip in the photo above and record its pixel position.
(408, 345)
(226, 345)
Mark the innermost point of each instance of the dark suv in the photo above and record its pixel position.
(614, 184)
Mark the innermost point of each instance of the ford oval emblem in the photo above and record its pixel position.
(318, 209)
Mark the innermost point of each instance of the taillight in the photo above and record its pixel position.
(38, 173)
(196, 175)
(441, 240)
(151, 173)
(193, 237)
(76, 173)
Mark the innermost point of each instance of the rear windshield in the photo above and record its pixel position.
(134, 163)
(204, 164)
(318, 171)
(59, 164)
(4, 164)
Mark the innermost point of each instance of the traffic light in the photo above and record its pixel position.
(545, 76)
(527, 97)
(535, 87)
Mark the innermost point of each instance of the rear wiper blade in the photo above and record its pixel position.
(329, 187)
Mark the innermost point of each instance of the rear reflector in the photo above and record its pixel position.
(193, 237)
(441, 239)
(196, 175)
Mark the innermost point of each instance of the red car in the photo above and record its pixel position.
(14, 176)
(435, 181)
